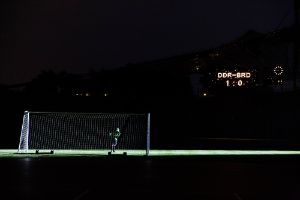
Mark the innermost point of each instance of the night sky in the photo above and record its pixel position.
(77, 36)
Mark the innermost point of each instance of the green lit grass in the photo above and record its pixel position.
(220, 152)
(92, 153)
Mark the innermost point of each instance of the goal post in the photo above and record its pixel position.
(84, 131)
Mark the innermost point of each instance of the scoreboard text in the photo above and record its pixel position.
(234, 79)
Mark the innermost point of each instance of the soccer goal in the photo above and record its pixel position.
(84, 131)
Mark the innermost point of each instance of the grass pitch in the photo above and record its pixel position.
(13, 153)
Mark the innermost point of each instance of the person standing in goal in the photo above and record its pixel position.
(115, 136)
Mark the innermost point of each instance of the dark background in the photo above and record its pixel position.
(76, 36)
(79, 37)
(235, 122)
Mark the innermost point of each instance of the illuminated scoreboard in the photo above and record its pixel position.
(235, 78)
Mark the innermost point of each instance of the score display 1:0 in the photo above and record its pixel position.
(233, 79)
(234, 83)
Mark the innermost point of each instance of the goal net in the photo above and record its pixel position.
(84, 131)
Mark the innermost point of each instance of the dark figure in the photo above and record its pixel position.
(114, 137)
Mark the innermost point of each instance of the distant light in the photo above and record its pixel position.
(105, 94)
(204, 94)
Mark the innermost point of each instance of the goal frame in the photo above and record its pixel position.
(25, 130)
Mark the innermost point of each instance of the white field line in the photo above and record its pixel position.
(13, 152)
